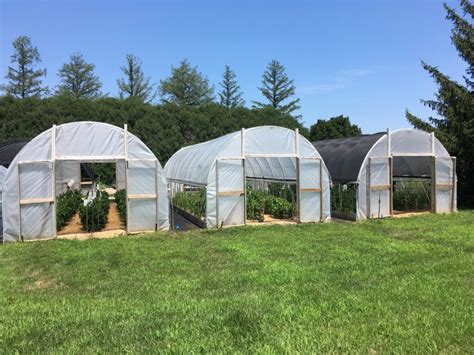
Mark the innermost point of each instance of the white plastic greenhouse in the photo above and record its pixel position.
(266, 153)
(39, 172)
(372, 162)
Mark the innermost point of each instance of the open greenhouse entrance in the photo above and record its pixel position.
(412, 184)
(188, 206)
(87, 200)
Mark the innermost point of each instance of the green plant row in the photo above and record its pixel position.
(412, 196)
(193, 202)
(260, 203)
(94, 216)
(121, 201)
(67, 205)
(343, 199)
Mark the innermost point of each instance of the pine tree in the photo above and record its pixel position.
(277, 88)
(78, 79)
(135, 84)
(23, 79)
(454, 103)
(186, 86)
(230, 95)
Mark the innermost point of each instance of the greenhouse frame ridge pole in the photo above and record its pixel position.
(53, 178)
(125, 146)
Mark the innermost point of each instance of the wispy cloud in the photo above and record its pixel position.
(341, 80)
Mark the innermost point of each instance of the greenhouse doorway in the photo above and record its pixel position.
(91, 199)
(187, 206)
(272, 197)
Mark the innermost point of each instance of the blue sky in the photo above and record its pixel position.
(359, 58)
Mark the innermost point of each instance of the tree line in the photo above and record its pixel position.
(189, 113)
(185, 86)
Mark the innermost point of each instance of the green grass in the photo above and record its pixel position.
(400, 286)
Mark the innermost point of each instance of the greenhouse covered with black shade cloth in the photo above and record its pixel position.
(9, 150)
(372, 161)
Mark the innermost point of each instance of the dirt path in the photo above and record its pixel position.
(74, 226)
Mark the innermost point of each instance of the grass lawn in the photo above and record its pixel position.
(395, 285)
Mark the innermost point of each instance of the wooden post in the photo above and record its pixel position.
(321, 190)
(453, 189)
(157, 200)
(244, 172)
(433, 184)
(127, 202)
(53, 178)
(217, 193)
(369, 193)
(298, 162)
(20, 236)
(390, 179)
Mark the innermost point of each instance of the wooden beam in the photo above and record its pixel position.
(230, 193)
(309, 189)
(32, 201)
(380, 187)
(141, 196)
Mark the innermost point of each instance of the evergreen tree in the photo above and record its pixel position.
(454, 103)
(78, 79)
(335, 127)
(23, 79)
(277, 88)
(186, 86)
(230, 95)
(135, 83)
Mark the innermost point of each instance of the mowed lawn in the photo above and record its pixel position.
(395, 285)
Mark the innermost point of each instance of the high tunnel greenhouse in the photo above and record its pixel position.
(223, 169)
(37, 174)
(370, 172)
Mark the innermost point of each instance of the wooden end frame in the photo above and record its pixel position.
(384, 187)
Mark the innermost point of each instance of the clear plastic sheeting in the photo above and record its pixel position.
(51, 163)
(268, 153)
(402, 153)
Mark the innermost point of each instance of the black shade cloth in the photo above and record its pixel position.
(344, 156)
(9, 150)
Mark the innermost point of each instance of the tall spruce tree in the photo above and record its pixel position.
(454, 103)
(186, 86)
(135, 83)
(78, 79)
(277, 88)
(23, 79)
(230, 95)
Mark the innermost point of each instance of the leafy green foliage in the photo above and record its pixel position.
(230, 95)
(78, 79)
(380, 286)
(261, 202)
(343, 199)
(94, 216)
(67, 205)
(121, 201)
(193, 202)
(23, 79)
(277, 88)
(454, 103)
(186, 86)
(135, 84)
(335, 127)
(164, 129)
(412, 196)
